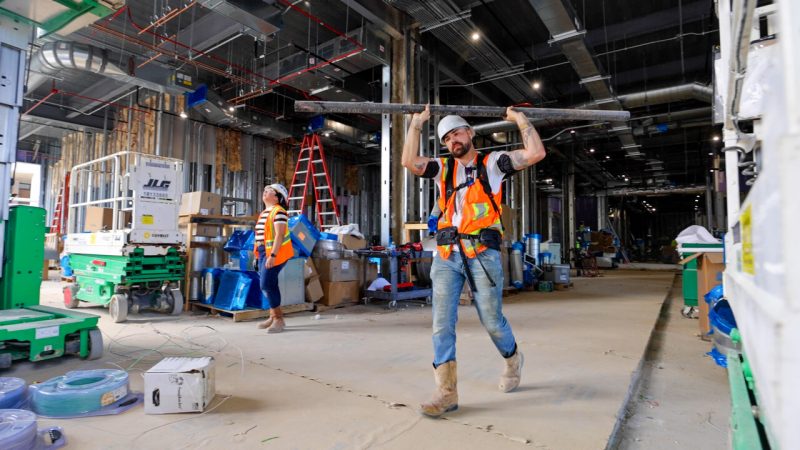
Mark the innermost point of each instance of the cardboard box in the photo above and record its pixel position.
(314, 290)
(179, 384)
(709, 266)
(338, 269)
(370, 275)
(200, 202)
(352, 242)
(199, 230)
(309, 270)
(338, 292)
(98, 219)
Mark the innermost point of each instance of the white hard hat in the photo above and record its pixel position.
(277, 187)
(450, 123)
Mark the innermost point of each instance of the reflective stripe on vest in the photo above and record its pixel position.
(477, 212)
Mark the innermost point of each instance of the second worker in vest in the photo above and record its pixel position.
(468, 242)
(273, 247)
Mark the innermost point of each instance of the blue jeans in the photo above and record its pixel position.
(448, 278)
(268, 279)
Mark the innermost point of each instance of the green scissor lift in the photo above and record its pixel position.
(134, 262)
(28, 330)
(112, 280)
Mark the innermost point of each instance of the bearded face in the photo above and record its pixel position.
(459, 142)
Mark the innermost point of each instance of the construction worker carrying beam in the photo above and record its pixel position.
(468, 241)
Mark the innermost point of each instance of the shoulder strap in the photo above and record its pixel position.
(449, 189)
(483, 178)
(448, 179)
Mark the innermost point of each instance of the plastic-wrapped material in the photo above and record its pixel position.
(81, 393)
(696, 234)
(234, 288)
(18, 431)
(13, 392)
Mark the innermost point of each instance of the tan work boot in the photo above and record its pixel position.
(277, 320)
(266, 323)
(445, 399)
(512, 373)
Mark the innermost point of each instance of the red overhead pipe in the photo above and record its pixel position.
(169, 16)
(199, 52)
(319, 21)
(222, 72)
(256, 93)
(53, 92)
(175, 55)
(359, 48)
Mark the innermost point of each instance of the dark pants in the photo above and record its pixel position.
(269, 279)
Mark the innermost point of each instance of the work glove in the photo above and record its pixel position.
(433, 224)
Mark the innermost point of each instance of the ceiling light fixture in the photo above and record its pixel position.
(591, 150)
(231, 108)
(608, 157)
(715, 138)
(183, 115)
(475, 36)
(536, 85)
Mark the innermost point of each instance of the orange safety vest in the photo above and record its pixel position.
(477, 212)
(286, 251)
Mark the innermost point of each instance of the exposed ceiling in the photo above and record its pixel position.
(260, 56)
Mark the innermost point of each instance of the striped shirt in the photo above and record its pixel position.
(280, 217)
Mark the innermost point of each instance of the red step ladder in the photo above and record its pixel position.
(61, 211)
(311, 167)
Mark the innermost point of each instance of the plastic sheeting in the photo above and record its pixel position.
(696, 234)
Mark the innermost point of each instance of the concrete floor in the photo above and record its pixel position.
(352, 378)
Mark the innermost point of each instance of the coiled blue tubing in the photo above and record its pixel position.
(17, 429)
(79, 392)
(12, 392)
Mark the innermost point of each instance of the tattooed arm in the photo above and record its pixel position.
(411, 158)
(533, 150)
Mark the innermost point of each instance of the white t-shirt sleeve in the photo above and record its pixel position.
(494, 172)
(437, 180)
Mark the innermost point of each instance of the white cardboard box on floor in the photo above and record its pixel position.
(179, 384)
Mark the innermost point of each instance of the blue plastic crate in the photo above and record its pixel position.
(304, 235)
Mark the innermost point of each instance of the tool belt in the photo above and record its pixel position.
(487, 236)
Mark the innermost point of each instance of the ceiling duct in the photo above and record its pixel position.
(217, 111)
(690, 91)
(56, 56)
(347, 133)
(565, 29)
(314, 73)
(259, 17)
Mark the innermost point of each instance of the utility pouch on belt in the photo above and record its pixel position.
(447, 236)
(491, 238)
